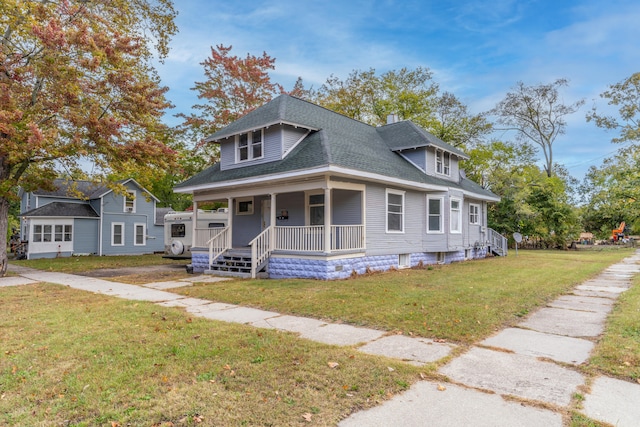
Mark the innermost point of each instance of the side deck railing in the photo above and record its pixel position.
(497, 242)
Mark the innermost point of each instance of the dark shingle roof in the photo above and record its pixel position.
(71, 189)
(407, 135)
(334, 140)
(63, 209)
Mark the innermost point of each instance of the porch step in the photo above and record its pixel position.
(232, 263)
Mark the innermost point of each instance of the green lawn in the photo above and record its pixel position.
(86, 263)
(72, 358)
(462, 303)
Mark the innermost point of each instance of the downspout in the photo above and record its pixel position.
(100, 230)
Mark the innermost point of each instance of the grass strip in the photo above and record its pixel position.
(79, 359)
(463, 302)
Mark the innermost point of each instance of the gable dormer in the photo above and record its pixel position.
(261, 145)
(425, 151)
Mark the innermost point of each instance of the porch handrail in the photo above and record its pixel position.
(497, 242)
(204, 234)
(261, 248)
(219, 243)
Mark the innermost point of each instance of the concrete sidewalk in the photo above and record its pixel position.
(522, 376)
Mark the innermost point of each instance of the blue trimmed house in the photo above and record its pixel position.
(84, 218)
(315, 194)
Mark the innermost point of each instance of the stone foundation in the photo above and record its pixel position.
(285, 267)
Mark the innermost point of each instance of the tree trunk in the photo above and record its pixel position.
(4, 225)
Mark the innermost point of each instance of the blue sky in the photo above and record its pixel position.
(478, 50)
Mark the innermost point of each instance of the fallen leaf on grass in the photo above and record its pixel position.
(307, 416)
(390, 369)
(333, 365)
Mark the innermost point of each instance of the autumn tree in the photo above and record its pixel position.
(233, 87)
(537, 114)
(77, 89)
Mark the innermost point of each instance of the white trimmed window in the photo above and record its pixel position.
(130, 201)
(395, 211)
(315, 208)
(434, 214)
(62, 233)
(443, 162)
(249, 146)
(474, 214)
(141, 234)
(455, 224)
(244, 206)
(117, 234)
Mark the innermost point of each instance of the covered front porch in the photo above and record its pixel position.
(315, 219)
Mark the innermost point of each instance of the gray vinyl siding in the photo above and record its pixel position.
(290, 136)
(293, 203)
(85, 236)
(431, 166)
(417, 157)
(271, 150)
(347, 207)
(247, 227)
(144, 214)
(473, 232)
(379, 241)
(437, 242)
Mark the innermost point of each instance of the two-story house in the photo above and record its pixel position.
(315, 194)
(81, 218)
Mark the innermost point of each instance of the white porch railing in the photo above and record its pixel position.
(219, 243)
(347, 237)
(203, 235)
(261, 247)
(497, 242)
(302, 239)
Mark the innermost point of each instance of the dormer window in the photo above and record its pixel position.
(249, 145)
(443, 162)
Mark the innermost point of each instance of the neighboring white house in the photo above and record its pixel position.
(81, 217)
(315, 194)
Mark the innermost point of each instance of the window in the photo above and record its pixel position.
(316, 209)
(244, 206)
(141, 235)
(178, 230)
(58, 233)
(117, 234)
(443, 162)
(249, 145)
(434, 214)
(395, 211)
(52, 233)
(474, 214)
(455, 221)
(404, 261)
(130, 201)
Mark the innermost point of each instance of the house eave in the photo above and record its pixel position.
(311, 173)
(217, 137)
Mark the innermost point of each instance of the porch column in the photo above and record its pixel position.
(327, 220)
(230, 220)
(194, 224)
(272, 221)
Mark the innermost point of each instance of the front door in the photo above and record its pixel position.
(265, 208)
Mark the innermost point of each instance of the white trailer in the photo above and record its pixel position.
(178, 230)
